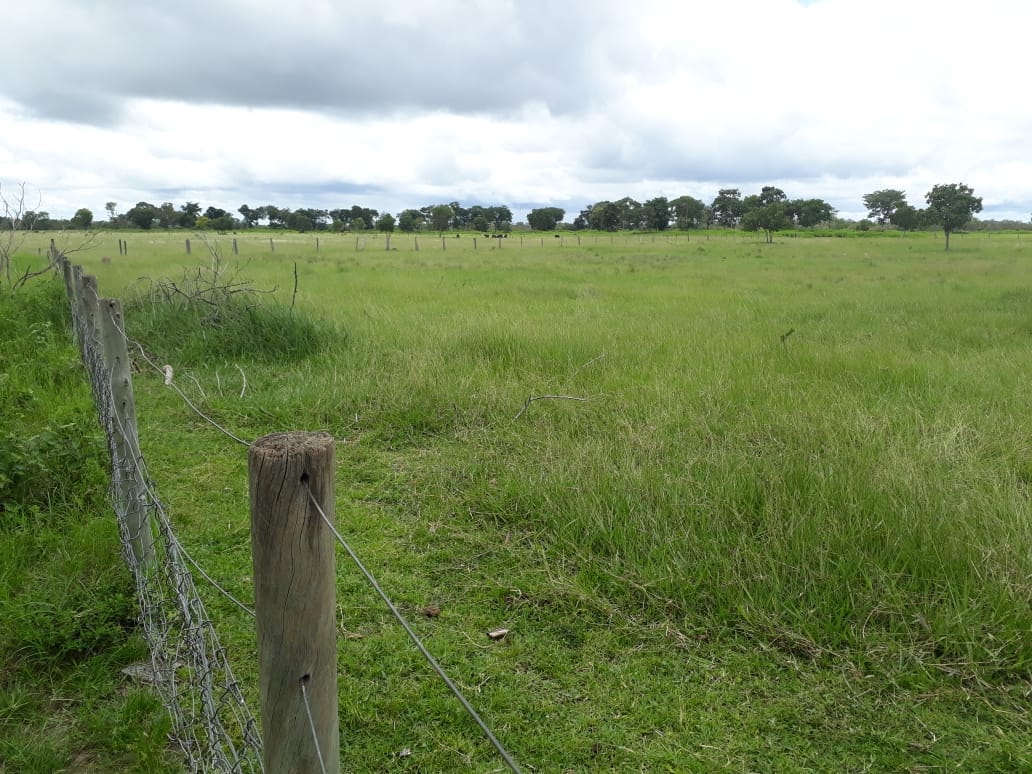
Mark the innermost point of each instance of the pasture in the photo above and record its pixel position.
(740, 505)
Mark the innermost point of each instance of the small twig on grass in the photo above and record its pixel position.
(585, 365)
(533, 398)
(243, 377)
(293, 298)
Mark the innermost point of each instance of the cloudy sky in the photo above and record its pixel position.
(402, 103)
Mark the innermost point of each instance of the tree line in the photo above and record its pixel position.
(950, 207)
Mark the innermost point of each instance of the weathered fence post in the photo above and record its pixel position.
(295, 597)
(236, 250)
(128, 475)
(272, 245)
(187, 242)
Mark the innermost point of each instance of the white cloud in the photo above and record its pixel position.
(529, 102)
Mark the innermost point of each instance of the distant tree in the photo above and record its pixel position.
(881, 204)
(632, 213)
(769, 217)
(143, 215)
(361, 218)
(319, 218)
(688, 211)
(299, 221)
(167, 215)
(907, 218)
(251, 217)
(440, 217)
(83, 218)
(385, 223)
(604, 216)
(727, 207)
(460, 216)
(410, 220)
(582, 221)
(201, 223)
(656, 213)
(951, 206)
(190, 212)
(809, 213)
(500, 216)
(771, 195)
(110, 207)
(277, 216)
(545, 218)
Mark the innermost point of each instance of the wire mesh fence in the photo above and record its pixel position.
(211, 723)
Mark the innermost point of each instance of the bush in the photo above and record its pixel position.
(211, 314)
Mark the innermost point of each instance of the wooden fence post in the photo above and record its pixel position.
(187, 246)
(294, 556)
(128, 475)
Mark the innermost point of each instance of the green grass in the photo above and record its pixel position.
(743, 549)
(66, 605)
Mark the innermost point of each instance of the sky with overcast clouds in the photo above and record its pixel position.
(521, 102)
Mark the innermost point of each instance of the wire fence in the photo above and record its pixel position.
(211, 723)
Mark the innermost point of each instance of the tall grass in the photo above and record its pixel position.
(820, 443)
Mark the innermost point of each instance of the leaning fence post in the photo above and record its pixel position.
(126, 459)
(293, 553)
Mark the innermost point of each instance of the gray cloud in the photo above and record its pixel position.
(350, 58)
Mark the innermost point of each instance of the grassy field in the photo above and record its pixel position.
(778, 519)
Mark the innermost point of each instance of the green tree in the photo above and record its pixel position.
(251, 217)
(167, 215)
(656, 213)
(110, 207)
(881, 204)
(143, 215)
(604, 216)
(277, 216)
(770, 218)
(299, 221)
(809, 213)
(952, 206)
(190, 212)
(440, 217)
(385, 223)
(689, 212)
(632, 213)
(500, 216)
(907, 218)
(771, 195)
(410, 220)
(727, 207)
(83, 218)
(460, 216)
(545, 218)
